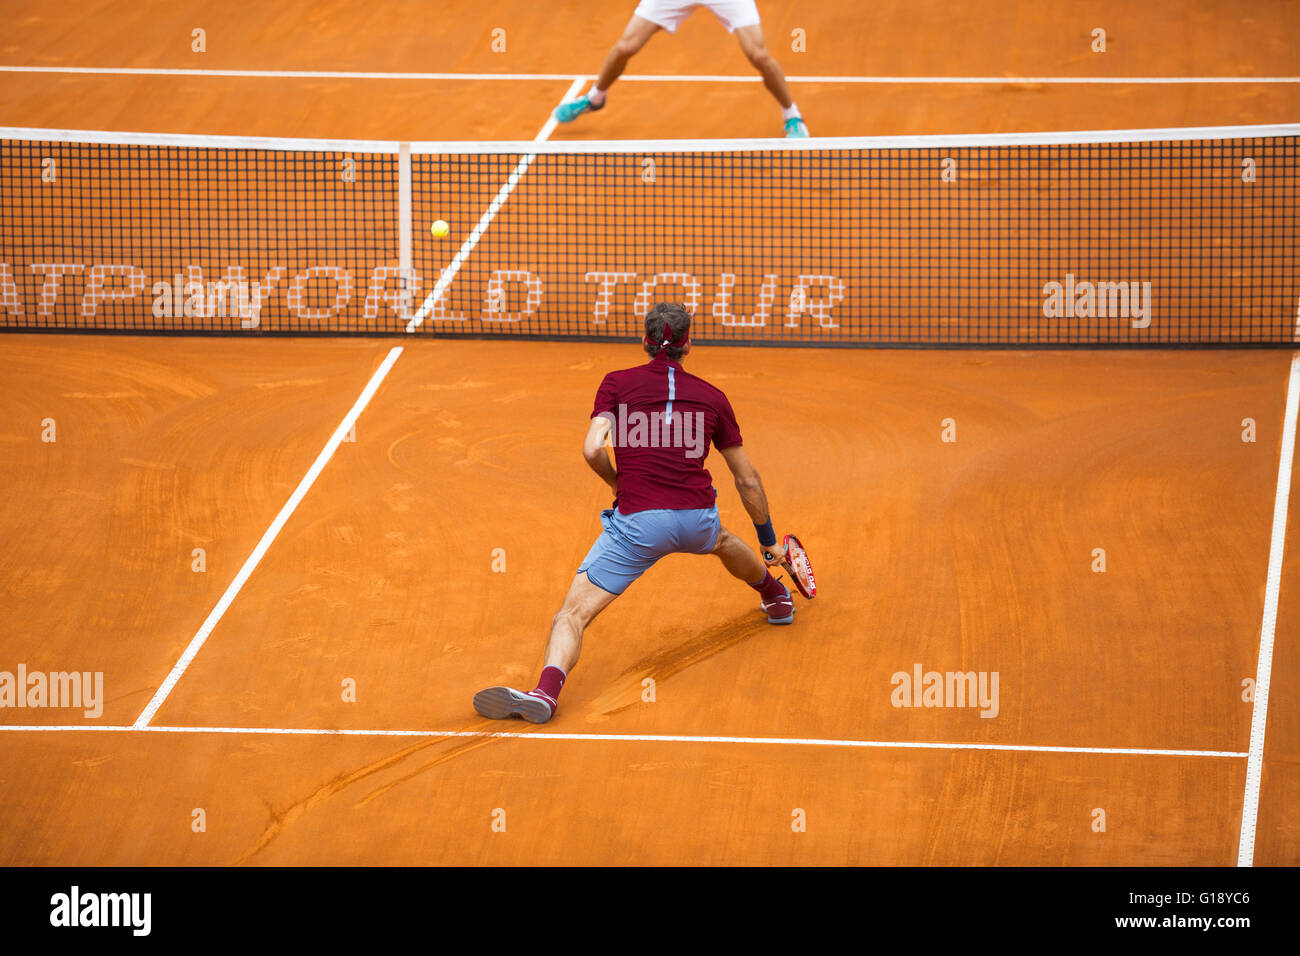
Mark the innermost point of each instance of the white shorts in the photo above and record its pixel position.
(669, 14)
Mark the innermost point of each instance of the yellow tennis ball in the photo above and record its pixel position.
(440, 229)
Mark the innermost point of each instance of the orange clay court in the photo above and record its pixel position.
(315, 705)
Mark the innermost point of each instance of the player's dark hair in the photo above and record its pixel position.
(667, 322)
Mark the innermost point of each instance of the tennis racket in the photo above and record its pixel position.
(795, 561)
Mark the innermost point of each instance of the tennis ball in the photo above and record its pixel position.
(440, 229)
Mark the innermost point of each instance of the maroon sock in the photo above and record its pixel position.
(550, 682)
(770, 588)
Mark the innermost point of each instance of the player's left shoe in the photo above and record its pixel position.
(796, 128)
(500, 703)
(570, 111)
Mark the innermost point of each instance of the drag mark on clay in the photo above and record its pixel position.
(482, 451)
(284, 818)
(625, 690)
(462, 748)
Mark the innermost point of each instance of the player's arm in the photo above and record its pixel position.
(750, 486)
(593, 449)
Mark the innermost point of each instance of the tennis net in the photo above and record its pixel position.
(1146, 237)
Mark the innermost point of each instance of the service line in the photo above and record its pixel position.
(628, 738)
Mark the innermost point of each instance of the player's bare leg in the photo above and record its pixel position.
(581, 605)
(738, 558)
(635, 36)
(755, 49)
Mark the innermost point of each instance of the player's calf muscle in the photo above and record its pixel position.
(737, 557)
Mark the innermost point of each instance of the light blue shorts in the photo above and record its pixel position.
(630, 544)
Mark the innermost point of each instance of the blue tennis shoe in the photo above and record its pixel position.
(570, 111)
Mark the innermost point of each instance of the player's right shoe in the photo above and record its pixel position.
(570, 111)
(500, 703)
(779, 610)
(796, 128)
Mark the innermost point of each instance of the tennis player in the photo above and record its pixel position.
(661, 420)
(738, 16)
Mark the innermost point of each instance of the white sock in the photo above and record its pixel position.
(596, 95)
(790, 112)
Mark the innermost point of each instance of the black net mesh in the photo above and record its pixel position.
(1179, 242)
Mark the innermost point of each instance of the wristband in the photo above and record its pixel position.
(766, 536)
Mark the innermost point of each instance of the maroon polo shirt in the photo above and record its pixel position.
(664, 420)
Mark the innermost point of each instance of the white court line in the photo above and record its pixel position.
(650, 78)
(215, 615)
(448, 274)
(1264, 669)
(551, 122)
(633, 738)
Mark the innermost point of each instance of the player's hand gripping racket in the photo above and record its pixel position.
(795, 561)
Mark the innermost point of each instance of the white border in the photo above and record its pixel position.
(521, 147)
(651, 77)
(1272, 587)
(1045, 138)
(110, 137)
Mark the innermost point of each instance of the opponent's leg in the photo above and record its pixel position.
(755, 49)
(634, 37)
(738, 558)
